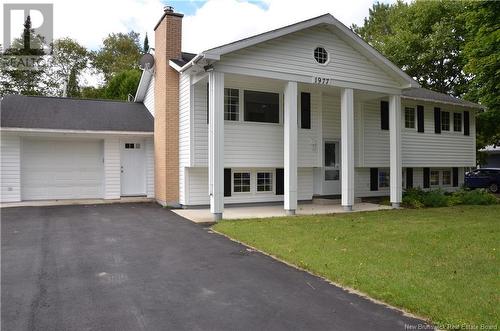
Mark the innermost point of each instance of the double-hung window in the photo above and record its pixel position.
(434, 180)
(457, 122)
(446, 177)
(445, 121)
(264, 181)
(409, 118)
(231, 104)
(262, 106)
(241, 182)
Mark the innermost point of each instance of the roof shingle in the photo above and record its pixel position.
(18, 111)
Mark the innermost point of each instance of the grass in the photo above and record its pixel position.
(440, 263)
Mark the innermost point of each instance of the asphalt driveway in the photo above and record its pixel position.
(142, 267)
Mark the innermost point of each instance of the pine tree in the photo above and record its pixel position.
(27, 34)
(146, 44)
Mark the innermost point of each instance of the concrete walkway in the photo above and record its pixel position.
(242, 212)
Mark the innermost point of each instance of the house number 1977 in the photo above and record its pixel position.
(322, 80)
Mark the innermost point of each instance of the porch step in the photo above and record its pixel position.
(330, 201)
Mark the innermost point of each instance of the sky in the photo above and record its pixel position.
(206, 23)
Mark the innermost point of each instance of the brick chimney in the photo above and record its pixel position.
(168, 35)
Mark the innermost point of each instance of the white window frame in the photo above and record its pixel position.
(449, 121)
(235, 171)
(439, 178)
(238, 113)
(273, 181)
(414, 118)
(442, 177)
(328, 54)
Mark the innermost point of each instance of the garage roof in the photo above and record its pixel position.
(34, 112)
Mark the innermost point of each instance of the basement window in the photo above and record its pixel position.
(241, 182)
(383, 178)
(446, 177)
(434, 178)
(264, 182)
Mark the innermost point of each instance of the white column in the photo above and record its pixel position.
(347, 147)
(395, 148)
(216, 143)
(290, 129)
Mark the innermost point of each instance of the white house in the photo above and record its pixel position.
(306, 110)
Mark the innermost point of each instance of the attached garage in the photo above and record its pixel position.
(61, 169)
(60, 148)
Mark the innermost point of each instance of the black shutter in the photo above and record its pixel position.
(305, 110)
(455, 177)
(227, 182)
(409, 177)
(466, 123)
(373, 179)
(280, 181)
(427, 177)
(384, 115)
(208, 103)
(437, 120)
(420, 118)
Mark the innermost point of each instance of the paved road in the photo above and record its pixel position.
(141, 267)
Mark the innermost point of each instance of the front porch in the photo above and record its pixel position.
(347, 99)
(204, 216)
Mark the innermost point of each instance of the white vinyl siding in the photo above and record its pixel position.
(252, 144)
(198, 187)
(428, 149)
(185, 133)
(293, 54)
(149, 98)
(112, 168)
(10, 149)
(150, 168)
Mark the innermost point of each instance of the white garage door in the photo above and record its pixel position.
(57, 169)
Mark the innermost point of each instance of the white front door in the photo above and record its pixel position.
(331, 168)
(133, 171)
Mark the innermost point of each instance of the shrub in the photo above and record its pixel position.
(474, 197)
(435, 198)
(418, 198)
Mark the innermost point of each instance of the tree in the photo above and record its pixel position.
(424, 38)
(120, 52)
(24, 65)
(69, 59)
(145, 48)
(482, 51)
(123, 84)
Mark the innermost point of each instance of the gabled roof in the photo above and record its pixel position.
(326, 19)
(429, 95)
(19, 111)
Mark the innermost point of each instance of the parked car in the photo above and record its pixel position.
(484, 178)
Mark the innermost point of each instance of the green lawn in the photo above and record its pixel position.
(440, 263)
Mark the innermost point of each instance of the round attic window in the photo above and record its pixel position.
(320, 55)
